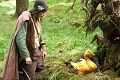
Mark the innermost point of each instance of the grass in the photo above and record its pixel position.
(62, 35)
(6, 29)
(58, 36)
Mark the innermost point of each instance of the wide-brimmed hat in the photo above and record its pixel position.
(39, 5)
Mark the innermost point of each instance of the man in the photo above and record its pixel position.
(26, 50)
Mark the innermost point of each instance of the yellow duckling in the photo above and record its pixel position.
(85, 65)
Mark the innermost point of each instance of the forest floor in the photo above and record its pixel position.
(56, 69)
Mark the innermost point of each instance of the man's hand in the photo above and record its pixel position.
(28, 60)
(44, 53)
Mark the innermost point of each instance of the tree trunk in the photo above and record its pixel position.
(108, 50)
(21, 5)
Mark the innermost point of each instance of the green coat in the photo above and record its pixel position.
(24, 26)
(10, 71)
(21, 41)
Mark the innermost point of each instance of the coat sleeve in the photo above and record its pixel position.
(43, 47)
(21, 41)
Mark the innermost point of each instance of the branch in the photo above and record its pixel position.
(73, 5)
(85, 7)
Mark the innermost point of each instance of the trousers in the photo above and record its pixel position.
(37, 65)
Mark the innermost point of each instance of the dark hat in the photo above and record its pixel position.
(39, 5)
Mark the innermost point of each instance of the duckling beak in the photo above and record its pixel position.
(73, 64)
(93, 54)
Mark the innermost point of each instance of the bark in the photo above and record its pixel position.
(21, 5)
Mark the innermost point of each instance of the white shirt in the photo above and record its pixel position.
(37, 44)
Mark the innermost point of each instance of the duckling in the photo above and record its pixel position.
(84, 66)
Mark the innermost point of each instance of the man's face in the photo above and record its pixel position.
(42, 14)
